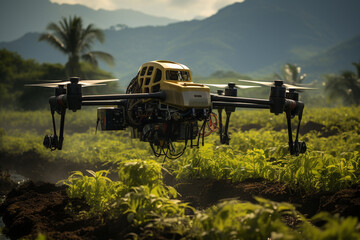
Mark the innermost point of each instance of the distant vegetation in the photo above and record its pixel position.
(15, 72)
(344, 87)
(291, 73)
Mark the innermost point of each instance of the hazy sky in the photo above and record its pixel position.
(178, 9)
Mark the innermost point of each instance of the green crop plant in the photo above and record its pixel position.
(315, 170)
(140, 194)
(144, 204)
(333, 227)
(137, 172)
(98, 190)
(241, 220)
(153, 210)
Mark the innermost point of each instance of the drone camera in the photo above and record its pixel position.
(111, 118)
(51, 141)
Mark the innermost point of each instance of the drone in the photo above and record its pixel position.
(162, 106)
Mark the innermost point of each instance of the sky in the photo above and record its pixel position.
(175, 9)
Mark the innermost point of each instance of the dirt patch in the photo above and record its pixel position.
(6, 184)
(32, 165)
(204, 193)
(247, 127)
(314, 126)
(311, 126)
(346, 202)
(41, 208)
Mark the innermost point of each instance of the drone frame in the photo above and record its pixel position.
(279, 101)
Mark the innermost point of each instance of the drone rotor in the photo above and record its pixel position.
(270, 84)
(83, 83)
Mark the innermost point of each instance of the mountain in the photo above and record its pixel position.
(335, 59)
(21, 16)
(252, 36)
(244, 37)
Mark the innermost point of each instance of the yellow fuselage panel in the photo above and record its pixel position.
(175, 79)
(186, 94)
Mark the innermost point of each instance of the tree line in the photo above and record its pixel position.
(15, 72)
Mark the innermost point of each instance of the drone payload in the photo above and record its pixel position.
(162, 105)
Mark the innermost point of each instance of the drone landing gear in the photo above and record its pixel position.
(53, 141)
(224, 133)
(296, 147)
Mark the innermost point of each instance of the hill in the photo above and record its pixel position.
(253, 36)
(335, 59)
(21, 16)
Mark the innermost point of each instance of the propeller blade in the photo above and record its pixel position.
(84, 83)
(289, 86)
(51, 85)
(258, 82)
(245, 86)
(99, 81)
(216, 85)
(54, 85)
(226, 85)
(269, 84)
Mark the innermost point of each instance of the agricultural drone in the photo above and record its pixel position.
(162, 105)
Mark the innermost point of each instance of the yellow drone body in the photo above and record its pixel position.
(175, 79)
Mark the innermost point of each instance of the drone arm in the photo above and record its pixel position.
(74, 102)
(218, 104)
(229, 102)
(229, 99)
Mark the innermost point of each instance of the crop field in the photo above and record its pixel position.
(111, 186)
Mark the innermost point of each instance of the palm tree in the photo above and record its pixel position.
(76, 42)
(345, 86)
(291, 74)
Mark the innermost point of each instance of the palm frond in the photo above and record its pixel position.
(94, 56)
(357, 66)
(93, 32)
(89, 36)
(53, 40)
(90, 58)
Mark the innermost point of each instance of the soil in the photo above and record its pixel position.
(42, 207)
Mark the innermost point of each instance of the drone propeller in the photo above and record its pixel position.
(84, 83)
(269, 84)
(226, 85)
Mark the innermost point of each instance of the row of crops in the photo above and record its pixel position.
(135, 192)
